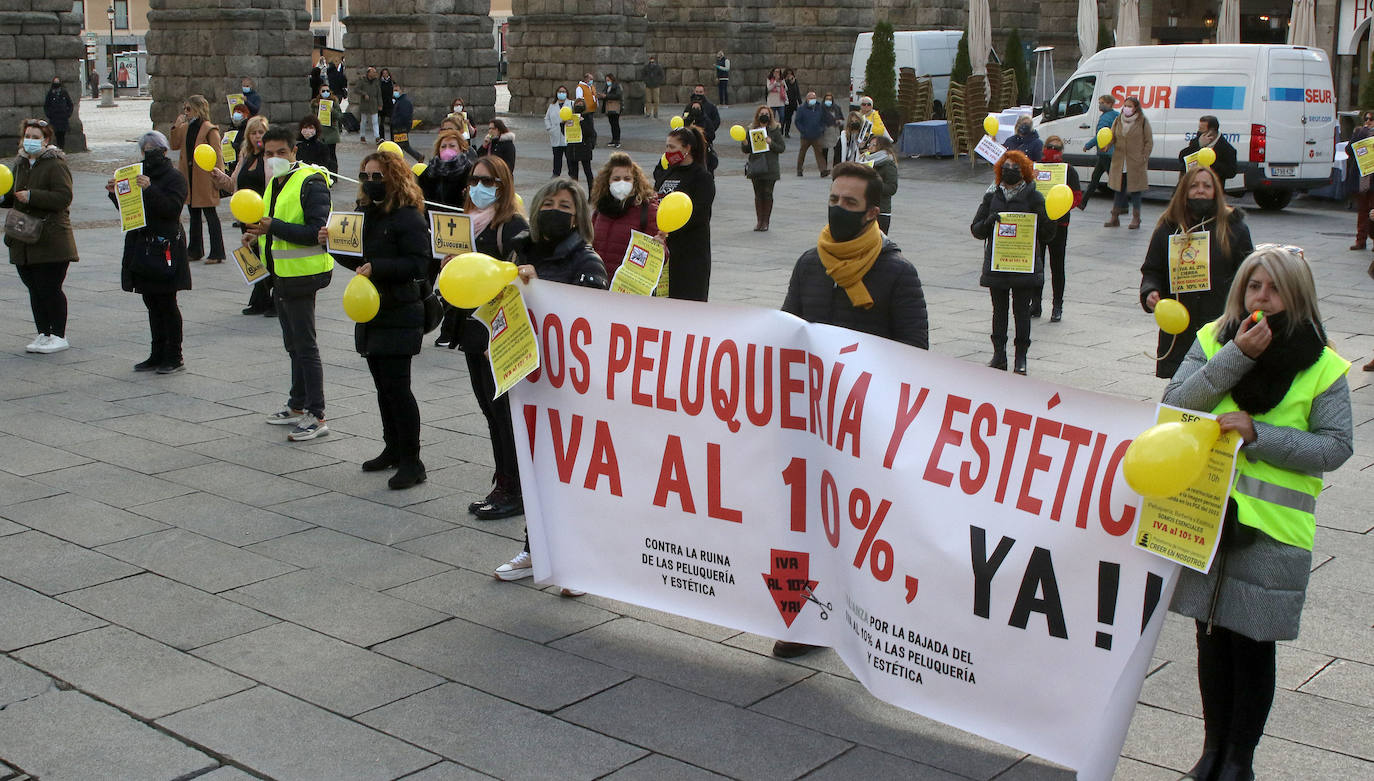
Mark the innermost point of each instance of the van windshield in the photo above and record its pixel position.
(1073, 100)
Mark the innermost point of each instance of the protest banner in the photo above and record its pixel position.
(1047, 175)
(989, 149)
(641, 269)
(1364, 155)
(130, 197)
(1190, 262)
(1013, 245)
(962, 542)
(450, 233)
(512, 347)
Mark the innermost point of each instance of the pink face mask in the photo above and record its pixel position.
(448, 153)
(1128, 111)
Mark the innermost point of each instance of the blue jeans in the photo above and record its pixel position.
(1122, 196)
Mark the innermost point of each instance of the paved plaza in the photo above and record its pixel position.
(185, 594)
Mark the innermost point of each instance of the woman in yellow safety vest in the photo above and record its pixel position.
(1273, 379)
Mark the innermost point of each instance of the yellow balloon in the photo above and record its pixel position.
(676, 122)
(663, 161)
(6, 179)
(206, 157)
(674, 211)
(1171, 315)
(520, 202)
(1059, 201)
(246, 206)
(1167, 458)
(1206, 156)
(991, 125)
(360, 299)
(390, 146)
(418, 168)
(472, 279)
(1104, 138)
(565, 113)
(738, 132)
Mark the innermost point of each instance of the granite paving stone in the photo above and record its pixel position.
(862, 761)
(375, 522)
(19, 682)
(273, 458)
(15, 489)
(67, 736)
(51, 430)
(27, 617)
(283, 737)
(112, 484)
(80, 520)
(187, 557)
(226, 774)
(175, 614)
(363, 563)
(133, 673)
(657, 767)
(162, 429)
(702, 731)
(25, 458)
(524, 612)
(336, 608)
(140, 455)
(317, 668)
(485, 659)
(476, 729)
(448, 771)
(683, 661)
(52, 566)
(222, 519)
(465, 547)
(8, 527)
(240, 484)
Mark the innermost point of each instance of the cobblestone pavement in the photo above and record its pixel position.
(185, 594)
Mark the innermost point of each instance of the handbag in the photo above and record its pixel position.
(434, 308)
(23, 228)
(152, 259)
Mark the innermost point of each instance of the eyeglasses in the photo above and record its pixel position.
(485, 181)
(364, 176)
(1055, 148)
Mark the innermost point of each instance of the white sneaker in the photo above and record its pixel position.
(518, 568)
(307, 428)
(55, 344)
(38, 341)
(286, 416)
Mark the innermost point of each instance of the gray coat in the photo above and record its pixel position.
(1257, 583)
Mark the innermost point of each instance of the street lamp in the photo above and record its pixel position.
(109, 14)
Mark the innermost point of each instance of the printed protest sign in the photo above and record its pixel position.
(250, 266)
(450, 233)
(512, 347)
(642, 267)
(1013, 243)
(130, 197)
(346, 233)
(1190, 262)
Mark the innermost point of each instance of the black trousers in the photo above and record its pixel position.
(614, 120)
(1236, 676)
(1057, 248)
(61, 138)
(197, 248)
(499, 426)
(1104, 164)
(561, 153)
(788, 112)
(46, 299)
(408, 149)
(164, 325)
(1020, 300)
(296, 314)
(396, 402)
(763, 189)
(579, 154)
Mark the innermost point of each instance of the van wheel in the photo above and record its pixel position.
(1273, 200)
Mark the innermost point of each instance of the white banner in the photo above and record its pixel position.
(961, 536)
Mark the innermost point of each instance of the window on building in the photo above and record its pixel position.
(317, 10)
(121, 14)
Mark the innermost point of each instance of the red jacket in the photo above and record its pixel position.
(612, 232)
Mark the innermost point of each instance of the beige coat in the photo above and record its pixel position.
(204, 193)
(1132, 150)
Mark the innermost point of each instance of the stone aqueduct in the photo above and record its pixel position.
(439, 49)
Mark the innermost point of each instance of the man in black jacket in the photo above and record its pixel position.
(708, 109)
(841, 282)
(57, 106)
(297, 207)
(1209, 134)
(402, 117)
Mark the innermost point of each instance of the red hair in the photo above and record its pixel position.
(1021, 161)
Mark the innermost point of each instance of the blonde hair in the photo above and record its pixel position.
(1177, 210)
(772, 116)
(200, 107)
(450, 135)
(601, 186)
(1292, 277)
(245, 150)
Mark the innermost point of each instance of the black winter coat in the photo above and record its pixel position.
(1225, 166)
(163, 200)
(899, 305)
(502, 242)
(503, 147)
(995, 201)
(571, 261)
(397, 245)
(1204, 306)
(689, 247)
(447, 182)
(312, 151)
(57, 107)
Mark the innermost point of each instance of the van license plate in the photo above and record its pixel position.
(1283, 170)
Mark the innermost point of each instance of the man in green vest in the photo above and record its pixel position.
(297, 207)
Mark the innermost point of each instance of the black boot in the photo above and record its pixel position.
(1205, 769)
(758, 215)
(1234, 771)
(508, 503)
(1020, 366)
(495, 492)
(410, 472)
(766, 209)
(999, 354)
(1057, 313)
(384, 460)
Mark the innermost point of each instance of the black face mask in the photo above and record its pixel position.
(554, 225)
(375, 191)
(763, 119)
(1011, 176)
(845, 225)
(1202, 207)
(698, 98)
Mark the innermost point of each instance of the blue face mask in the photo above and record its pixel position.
(396, 94)
(482, 195)
(247, 90)
(830, 103)
(562, 95)
(33, 145)
(811, 102)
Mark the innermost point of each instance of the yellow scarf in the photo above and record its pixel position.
(848, 261)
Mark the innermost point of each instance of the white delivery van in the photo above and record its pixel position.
(928, 52)
(1276, 105)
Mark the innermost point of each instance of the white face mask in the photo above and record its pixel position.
(621, 190)
(307, 134)
(276, 166)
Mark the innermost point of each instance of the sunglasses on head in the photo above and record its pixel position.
(35, 123)
(485, 181)
(364, 176)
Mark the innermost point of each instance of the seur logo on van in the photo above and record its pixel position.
(1204, 97)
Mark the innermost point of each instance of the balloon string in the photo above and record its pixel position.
(1172, 343)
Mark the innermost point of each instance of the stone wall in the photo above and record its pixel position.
(39, 39)
(198, 48)
(437, 50)
(554, 42)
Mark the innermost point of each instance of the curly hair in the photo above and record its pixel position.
(601, 186)
(401, 187)
(1021, 161)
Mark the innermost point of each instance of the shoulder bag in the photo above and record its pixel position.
(23, 228)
